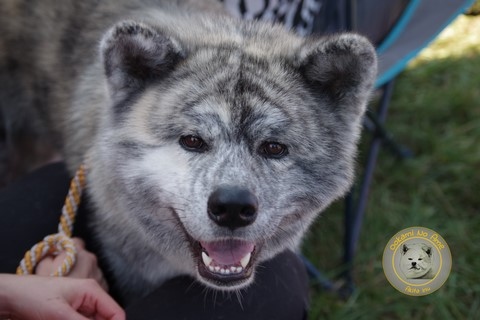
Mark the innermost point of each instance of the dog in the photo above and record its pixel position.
(416, 261)
(211, 143)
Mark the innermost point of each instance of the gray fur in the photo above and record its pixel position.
(127, 79)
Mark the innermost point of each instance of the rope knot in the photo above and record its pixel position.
(51, 245)
(55, 243)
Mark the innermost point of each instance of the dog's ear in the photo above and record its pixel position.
(340, 67)
(405, 248)
(427, 249)
(135, 54)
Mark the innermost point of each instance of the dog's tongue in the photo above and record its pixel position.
(227, 252)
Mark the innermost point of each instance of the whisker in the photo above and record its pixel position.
(238, 293)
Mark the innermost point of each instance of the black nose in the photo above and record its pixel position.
(414, 264)
(232, 207)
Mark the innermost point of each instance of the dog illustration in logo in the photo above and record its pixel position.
(416, 261)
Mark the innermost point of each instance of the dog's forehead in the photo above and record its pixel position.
(238, 93)
(216, 116)
(415, 252)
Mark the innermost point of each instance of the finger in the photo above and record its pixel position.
(86, 265)
(98, 275)
(99, 304)
(101, 280)
(45, 267)
(104, 285)
(50, 264)
(79, 243)
(81, 269)
(67, 312)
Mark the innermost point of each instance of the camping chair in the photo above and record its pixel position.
(400, 29)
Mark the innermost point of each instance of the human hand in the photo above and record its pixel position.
(86, 266)
(55, 298)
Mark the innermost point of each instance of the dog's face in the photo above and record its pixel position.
(224, 153)
(416, 260)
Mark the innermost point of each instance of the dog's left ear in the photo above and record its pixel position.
(405, 249)
(427, 249)
(342, 68)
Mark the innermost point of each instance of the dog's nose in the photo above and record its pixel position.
(232, 207)
(414, 264)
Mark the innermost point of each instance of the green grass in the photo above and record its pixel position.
(436, 113)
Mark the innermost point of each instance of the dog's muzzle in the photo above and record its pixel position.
(229, 262)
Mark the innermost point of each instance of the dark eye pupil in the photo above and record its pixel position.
(193, 143)
(274, 149)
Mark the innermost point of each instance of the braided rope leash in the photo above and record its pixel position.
(55, 243)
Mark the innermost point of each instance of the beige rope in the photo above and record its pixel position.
(55, 243)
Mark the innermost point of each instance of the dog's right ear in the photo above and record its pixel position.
(405, 249)
(135, 54)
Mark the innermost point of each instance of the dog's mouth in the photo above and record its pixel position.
(226, 263)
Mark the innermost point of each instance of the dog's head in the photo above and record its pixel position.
(416, 260)
(226, 144)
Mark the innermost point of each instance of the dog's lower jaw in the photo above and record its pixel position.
(232, 284)
(234, 273)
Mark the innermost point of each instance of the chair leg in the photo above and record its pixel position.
(317, 276)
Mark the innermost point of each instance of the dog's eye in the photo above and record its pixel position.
(273, 149)
(419, 258)
(410, 259)
(193, 143)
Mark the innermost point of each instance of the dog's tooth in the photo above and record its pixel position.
(222, 271)
(206, 259)
(233, 269)
(245, 260)
(211, 268)
(217, 268)
(239, 269)
(227, 271)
